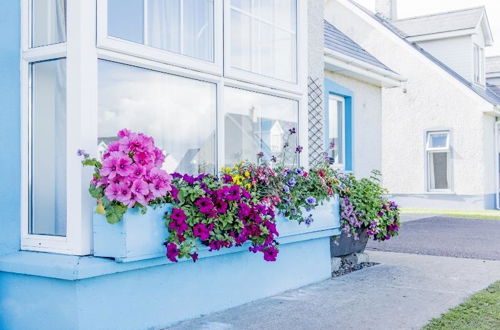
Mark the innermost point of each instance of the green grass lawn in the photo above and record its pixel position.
(479, 312)
(477, 214)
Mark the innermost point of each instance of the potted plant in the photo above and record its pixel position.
(129, 186)
(365, 213)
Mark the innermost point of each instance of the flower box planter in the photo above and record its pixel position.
(141, 236)
(326, 216)
(343, 245)
(136, 237)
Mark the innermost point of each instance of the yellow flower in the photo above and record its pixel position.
(247, 174)
(226, 170)
(248, 186)
(237, 179)
(100, 208)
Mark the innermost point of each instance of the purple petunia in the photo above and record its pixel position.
(172, 252)
(311, 200)
(205, 205)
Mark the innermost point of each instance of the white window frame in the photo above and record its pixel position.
(336, 98)
(479, 65)
(147, 52)
(247, 76)
(82, 52)
(429, 150)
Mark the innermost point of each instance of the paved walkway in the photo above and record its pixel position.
(404, 292)
(443, 236)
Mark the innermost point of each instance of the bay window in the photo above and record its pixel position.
(91, 68)
(438, 161)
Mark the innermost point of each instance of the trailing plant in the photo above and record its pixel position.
(363, 206)
(128, 176)
(219, 214)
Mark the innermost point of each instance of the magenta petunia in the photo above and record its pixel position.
(178, 215)
(270, 254)
(172, 252)
(234, 193)
(201, 231)
(205, 205)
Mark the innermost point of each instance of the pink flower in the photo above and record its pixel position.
(159, 188)
(140, 187)
(110, 165)
(123, 133)
(112, 192)
(125, 194)
(138, 171)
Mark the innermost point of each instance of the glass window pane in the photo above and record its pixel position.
(336, 134)
(48, 148)
(438, 169)
(48, 22)
(126, 20)
(264, 37)
(256, 123)
(198, 27)
(180, 26)
(180, 114)
(438, 140)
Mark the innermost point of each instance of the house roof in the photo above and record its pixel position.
(488, 93)
(339, 42)
(443, 22)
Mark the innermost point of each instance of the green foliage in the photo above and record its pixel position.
(481, 312)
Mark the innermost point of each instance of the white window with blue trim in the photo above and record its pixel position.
(338, 125)
(214, 82)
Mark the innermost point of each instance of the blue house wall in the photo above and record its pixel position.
(10, 36)
(54, 291)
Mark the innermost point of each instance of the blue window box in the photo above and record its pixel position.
(141, 236)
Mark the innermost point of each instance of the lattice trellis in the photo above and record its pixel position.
(316, 133)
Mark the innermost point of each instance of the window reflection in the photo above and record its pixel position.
(178, 112)
(256, 123)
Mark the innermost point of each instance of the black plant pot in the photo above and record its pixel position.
(343, 245)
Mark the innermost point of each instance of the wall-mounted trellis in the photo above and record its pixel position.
(316, 132)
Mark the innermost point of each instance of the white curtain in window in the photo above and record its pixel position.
(48, 22)
(181, 26)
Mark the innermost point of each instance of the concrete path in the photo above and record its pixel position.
(404, 292)
(443, 236)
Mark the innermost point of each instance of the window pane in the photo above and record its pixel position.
(180, 113)
(336, 132)
(126, 20)
(48, 22)
(264, 37)
(48, 148)
(438, 169)
(257, 122)
(180, 26)
(438, 140)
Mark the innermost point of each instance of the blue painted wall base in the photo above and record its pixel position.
(155, 297)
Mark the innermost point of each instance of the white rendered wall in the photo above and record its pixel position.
(367, 121)
(431, 99)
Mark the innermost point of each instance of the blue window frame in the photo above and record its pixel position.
(341, 116)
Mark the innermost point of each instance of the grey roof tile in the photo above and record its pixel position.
(339, 42)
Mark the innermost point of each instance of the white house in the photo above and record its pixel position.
(439, 129)
(493, 70)
(353, 103)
